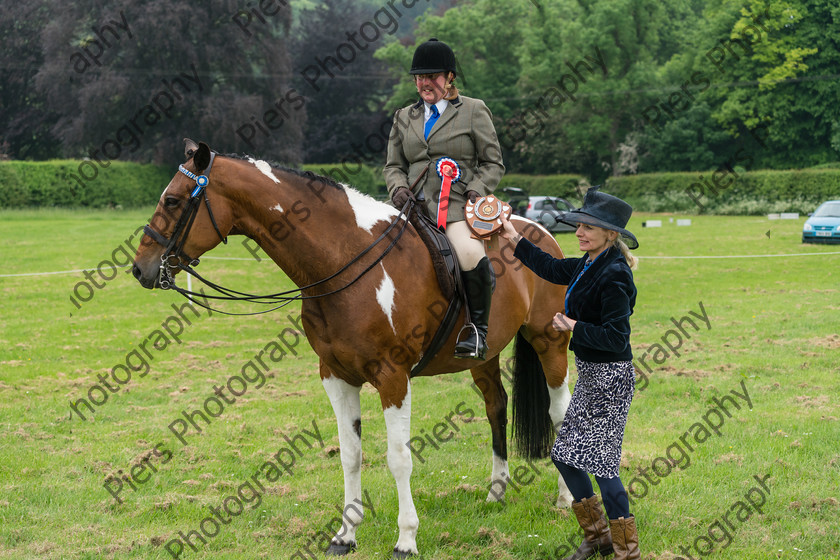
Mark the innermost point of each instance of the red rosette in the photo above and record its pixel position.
(448, 171)
(448, 167)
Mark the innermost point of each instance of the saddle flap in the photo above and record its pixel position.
(441, 251)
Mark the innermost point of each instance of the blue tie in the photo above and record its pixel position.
(431, 122)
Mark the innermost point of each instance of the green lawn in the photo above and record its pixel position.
(769, 333)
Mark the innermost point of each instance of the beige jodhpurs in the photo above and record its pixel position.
(468, 249)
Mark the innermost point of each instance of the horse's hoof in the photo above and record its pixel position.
(564, 501)
(400, 555)
(340, 549)
(494, 497)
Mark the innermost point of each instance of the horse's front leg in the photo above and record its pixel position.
(346, 405)
(396, 406)
(487, 377)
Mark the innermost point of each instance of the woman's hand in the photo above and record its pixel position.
(561, 323)
(509, 232)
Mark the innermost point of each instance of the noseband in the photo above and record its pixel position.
(173, 248)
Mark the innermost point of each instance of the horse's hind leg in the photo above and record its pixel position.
(555, 366)
(487, 377)
(345, 402)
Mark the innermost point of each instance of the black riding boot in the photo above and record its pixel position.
(478, 285)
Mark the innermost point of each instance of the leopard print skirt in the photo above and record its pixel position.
(593, 428)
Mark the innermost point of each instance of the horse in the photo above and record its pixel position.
(369, 313)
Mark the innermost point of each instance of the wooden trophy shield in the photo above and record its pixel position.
(484, 216)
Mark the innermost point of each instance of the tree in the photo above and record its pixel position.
(342, 80)
(768, 69)
(130, 79)
(25, 121)
(603, 58)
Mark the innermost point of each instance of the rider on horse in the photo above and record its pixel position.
(448, 129)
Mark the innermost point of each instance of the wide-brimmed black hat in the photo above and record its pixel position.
(432, 57)
(604, 211)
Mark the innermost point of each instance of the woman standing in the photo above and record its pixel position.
(446, 125)
(599, 302)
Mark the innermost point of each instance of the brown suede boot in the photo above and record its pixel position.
(596, 533)
(625, 539)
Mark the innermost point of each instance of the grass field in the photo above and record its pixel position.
(772, 331)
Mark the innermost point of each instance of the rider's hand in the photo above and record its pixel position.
(401, 196)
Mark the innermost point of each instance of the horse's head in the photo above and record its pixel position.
(185, 224)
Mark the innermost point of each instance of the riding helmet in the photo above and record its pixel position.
(431, 57)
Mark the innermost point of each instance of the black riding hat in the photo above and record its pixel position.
(431, 57)
(604, 211)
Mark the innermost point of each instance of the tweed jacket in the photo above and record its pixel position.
(601, 301)
(465, 133)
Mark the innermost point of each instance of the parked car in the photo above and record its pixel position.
(541, 209)
(824, 224)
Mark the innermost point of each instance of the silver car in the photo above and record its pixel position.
(541, 209)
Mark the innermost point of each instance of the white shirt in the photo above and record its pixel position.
(441, 107)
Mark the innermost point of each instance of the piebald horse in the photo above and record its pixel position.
(372, 320)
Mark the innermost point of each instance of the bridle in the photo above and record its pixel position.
(173, 247)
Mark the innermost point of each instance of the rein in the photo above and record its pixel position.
(174, 248)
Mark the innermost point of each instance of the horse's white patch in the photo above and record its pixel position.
(368, 210)
(385, 296)
(264, 168)
(498, 479)
(278, 208)
(346, 404)
(559, 397)
(398, 426)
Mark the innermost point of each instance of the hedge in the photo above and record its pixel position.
(86, 184)
(70, 183)
(565, 186)
(736, 191)
(364, 178)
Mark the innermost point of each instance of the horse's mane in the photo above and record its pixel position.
(300, 173)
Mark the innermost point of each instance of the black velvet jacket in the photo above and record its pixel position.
(601, 301)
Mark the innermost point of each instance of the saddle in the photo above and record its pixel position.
(448, 275)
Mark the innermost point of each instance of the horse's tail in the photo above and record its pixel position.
(533, 432)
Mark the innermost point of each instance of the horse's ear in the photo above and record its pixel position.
(189, 148)
(201, 159)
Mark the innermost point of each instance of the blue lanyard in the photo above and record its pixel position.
(585, 267)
